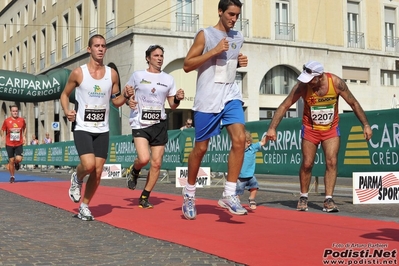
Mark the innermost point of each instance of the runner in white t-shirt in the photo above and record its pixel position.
(152, 88)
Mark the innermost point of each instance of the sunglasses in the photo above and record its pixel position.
(309, 71)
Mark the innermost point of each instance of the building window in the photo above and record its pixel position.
(44, 7)
(389, 78)
(43, 49)
(34, 11)
(391, 42)
(78, 21)
(355, 37)
(65, 36)
(5, 33)
(284, 30)
(53, 44)
(239, 80)
(93, 18)
(278, 80)
(266, 114)
(17, 55)
(110, 24)
(242, 24)
(355, 75)
(33, 54)
(18, 21)
(24, 55)
(10, 61)
(26, 13)
(11, 27)
(186, 19)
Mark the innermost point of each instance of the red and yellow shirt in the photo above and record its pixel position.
(14, 131)
(321, 112)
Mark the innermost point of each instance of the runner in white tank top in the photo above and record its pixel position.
(94, 85)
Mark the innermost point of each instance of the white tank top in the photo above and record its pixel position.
(92, 102)
(216, 77)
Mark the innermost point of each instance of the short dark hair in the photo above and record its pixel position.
(13, 105)
(224, 4)
(94, 36)
(151, 48)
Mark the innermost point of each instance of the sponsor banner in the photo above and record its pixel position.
(280, 157)
(203, 177)
(24, 87)
(375, 187)
(111, 171)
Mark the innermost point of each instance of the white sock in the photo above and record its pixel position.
(190, 190)
(328, 197)
(83, 205)
(305, 195)
(230, 188)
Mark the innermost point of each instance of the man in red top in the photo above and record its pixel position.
(13, 133)
(320, 92)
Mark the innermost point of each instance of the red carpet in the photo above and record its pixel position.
(268, 236)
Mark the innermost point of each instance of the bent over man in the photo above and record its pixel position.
(320, 92)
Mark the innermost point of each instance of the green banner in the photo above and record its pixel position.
(282, 157)
(23, 87)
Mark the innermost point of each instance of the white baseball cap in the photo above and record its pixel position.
(310, 70)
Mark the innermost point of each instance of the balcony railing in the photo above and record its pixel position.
(92, 32)
(110, 29)
(243, 26)
(356, 39)
(391, 44)
(78, 44)
(64, 50)
(187, 22)
(285, 31)
(52, 57)
(42, 61)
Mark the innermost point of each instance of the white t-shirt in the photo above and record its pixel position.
(151, 91)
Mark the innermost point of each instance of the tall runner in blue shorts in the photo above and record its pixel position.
(216, 55)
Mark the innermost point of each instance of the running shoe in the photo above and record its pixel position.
(232, 203)
(75, 188)
(85, 214)
(302, 204)
(132, 180)
(12, 179)
(188, 207)
(145, 204)
(330, 206)
(16, 166)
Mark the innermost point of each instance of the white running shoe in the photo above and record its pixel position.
(188, 207)
(75, 188)
(85, 214)
(233, 204)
